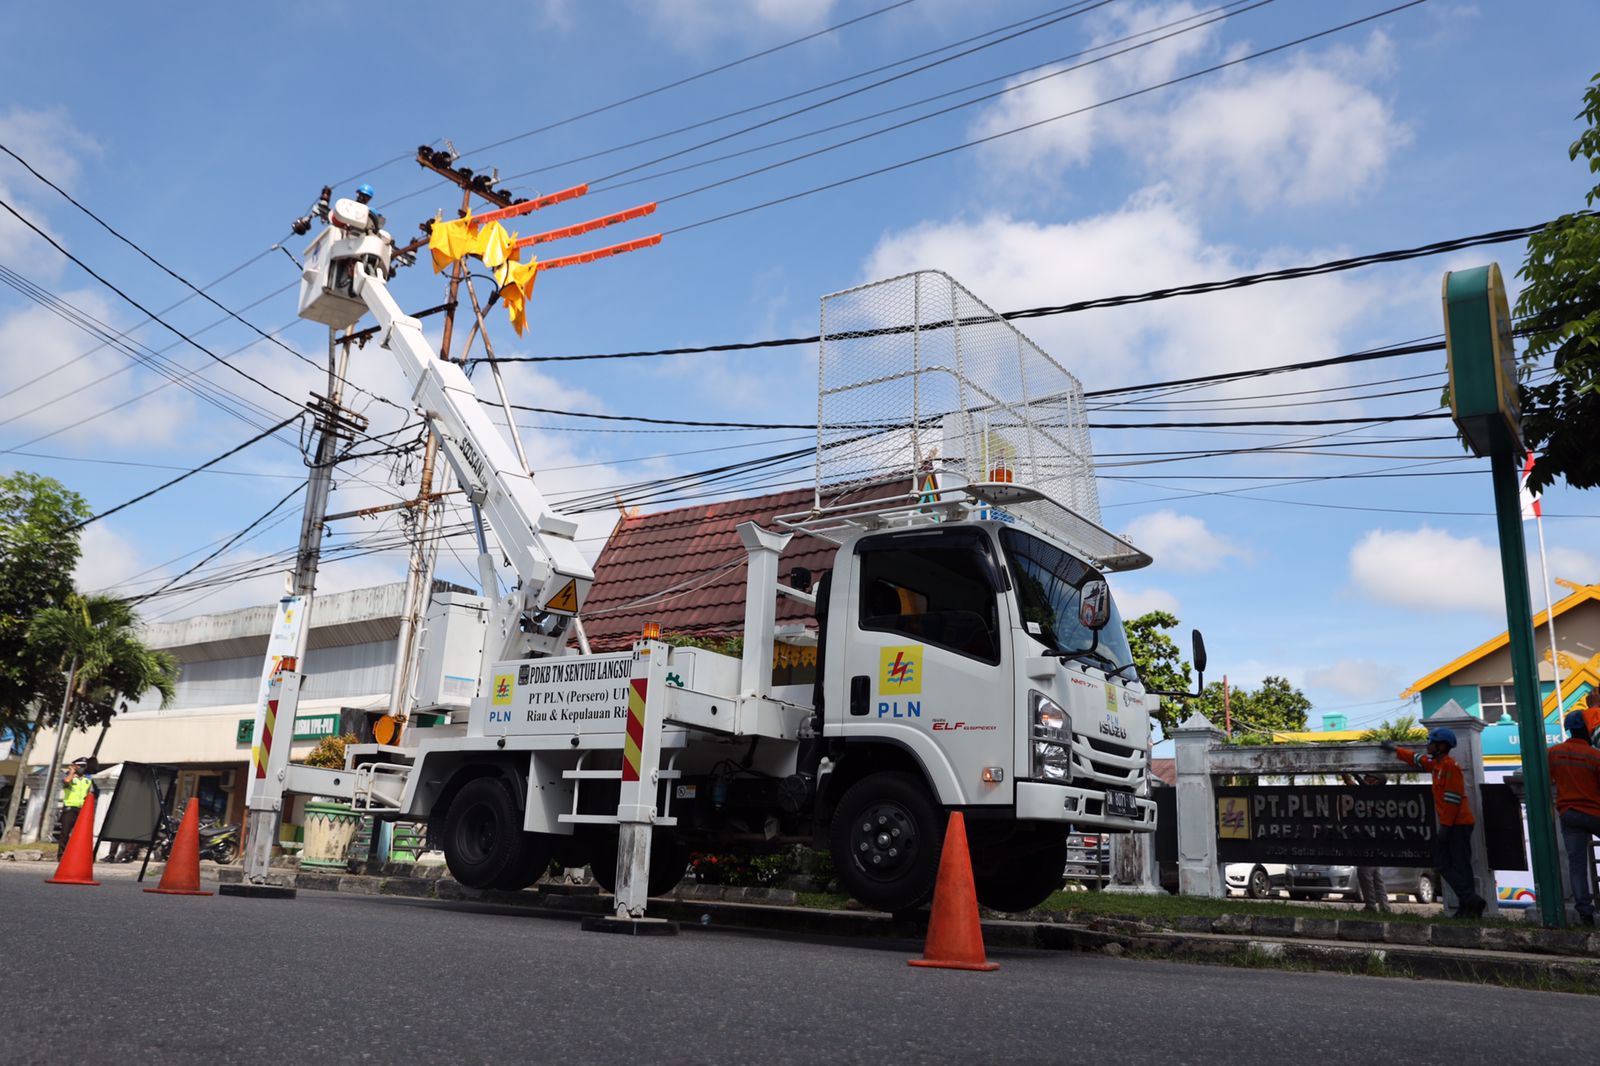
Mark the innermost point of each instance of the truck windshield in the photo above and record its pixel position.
(1049, 583)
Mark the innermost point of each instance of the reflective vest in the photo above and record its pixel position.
(78, 788)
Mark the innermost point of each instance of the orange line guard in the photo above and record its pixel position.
(600, 253)
(585, 227)
(535, 204)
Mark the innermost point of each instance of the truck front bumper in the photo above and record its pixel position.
(1042, 802)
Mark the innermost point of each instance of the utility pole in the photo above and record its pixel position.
(419, 574)
(274, 731)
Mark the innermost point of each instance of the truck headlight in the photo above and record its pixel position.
(1052, 738)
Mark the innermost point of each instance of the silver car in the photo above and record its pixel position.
(1306, 881)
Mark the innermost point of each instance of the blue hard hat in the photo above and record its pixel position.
(1574, 722)
(1441, 735)
(365, 190)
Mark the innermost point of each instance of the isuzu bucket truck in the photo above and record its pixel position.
(969, 653)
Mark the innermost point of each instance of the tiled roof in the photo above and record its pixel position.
(685, 569)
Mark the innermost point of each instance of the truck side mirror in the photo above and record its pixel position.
(1199, 650)
(1094, 605)
(800, 578)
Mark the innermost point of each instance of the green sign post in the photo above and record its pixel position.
(1486, 406)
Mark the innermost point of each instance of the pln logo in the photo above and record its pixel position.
(900, 670)
(1233, 818)
(502, 689)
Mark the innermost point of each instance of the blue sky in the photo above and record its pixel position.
(201, 131)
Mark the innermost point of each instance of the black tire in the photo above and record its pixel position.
(886, 838)
(482, 832)
(530, 862)
(1260, 884)
(227, 854)
(669, 860)
(1023, 880)
(1427, 889)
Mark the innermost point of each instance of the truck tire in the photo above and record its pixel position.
(886, 838)
(669, 859)
(531, 860)
(482, 832)
(1021, 881)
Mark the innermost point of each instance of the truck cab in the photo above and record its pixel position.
(972, 677)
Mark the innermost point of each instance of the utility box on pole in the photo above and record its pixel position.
(1486, 406)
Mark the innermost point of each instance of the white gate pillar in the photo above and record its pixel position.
(1469, 754)
(1199, 873)
(1133, 856)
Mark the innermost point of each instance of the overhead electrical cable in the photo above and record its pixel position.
(135, 303)
(236, 449)
(890, 168)
(230, 543)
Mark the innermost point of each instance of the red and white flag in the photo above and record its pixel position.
(1530, 502)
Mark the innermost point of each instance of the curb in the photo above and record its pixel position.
(1384, 949)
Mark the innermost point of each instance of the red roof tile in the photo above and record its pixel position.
(684, 569)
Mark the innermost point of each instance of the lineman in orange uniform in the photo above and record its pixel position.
(1575, 772)
(1452, 851)
(1591, 714)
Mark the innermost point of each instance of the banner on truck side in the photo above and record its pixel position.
(580, 694)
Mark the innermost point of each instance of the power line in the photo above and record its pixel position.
(1040, 122)
(1241, 281)
(230, 543)
(786, 98)
(187, 474)
(141, 307)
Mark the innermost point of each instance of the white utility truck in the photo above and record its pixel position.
(969, 654)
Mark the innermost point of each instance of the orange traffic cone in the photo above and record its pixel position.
(77, 858)
(955, 937)
(182, 875)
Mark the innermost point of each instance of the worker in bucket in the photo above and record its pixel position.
(1453, 845)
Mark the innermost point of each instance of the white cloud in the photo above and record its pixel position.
(1151, 241)
(105, 559)
(1307, 133)
(1359, 679)
(1181, 542)
(1427, 569)
(693, 25)
(50, 141)
(1135, 602)
(1433, 570)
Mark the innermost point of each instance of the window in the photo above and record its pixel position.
(932, 587)
(1495, 701)
(1049, 585)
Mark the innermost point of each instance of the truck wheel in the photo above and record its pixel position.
(531, 860)
(886, 842)
(669, 858)
(1020, 882)
(482, 832)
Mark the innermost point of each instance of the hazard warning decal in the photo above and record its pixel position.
(566, 600)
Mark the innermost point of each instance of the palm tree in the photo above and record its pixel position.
(104, 661)
(1403, 729)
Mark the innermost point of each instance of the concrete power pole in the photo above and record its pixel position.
(271, 756)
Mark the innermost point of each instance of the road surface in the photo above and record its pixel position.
(112, 974)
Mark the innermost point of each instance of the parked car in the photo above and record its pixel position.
(1258, 880)
(1320, 882)
(1089, 859)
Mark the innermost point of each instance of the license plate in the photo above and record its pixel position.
(1121, 805)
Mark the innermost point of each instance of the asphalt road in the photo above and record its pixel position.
(111, 974)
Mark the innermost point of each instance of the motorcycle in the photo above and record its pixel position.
(218, 843)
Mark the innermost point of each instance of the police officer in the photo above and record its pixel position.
(75, 788)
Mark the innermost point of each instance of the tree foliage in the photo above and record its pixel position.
(97, 635)
(1160, 664)
(1276, 706)
(1403, 729)
(1560, 312)
(38, 551)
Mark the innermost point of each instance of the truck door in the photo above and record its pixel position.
(925, 654)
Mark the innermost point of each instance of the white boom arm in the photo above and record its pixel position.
(346, 273)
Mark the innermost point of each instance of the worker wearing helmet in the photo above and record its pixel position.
(1453, 844)
(364, 193)
(1591, 714)
(1575, 773)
